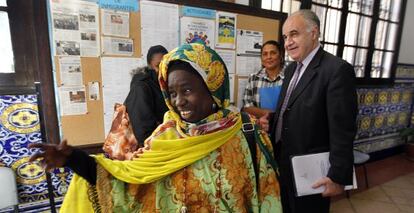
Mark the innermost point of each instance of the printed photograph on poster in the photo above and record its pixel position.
(195, 29)
(115, 23)
(225, 30)
(117, 46)
(159, 29)
(241, 86)
(67, 48)
(93, 91)
(248, 64)
(73, 100)
(229, 58)
(70, 71)
(249, 42)
(65, 21)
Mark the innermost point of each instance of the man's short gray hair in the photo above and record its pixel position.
(310, 17)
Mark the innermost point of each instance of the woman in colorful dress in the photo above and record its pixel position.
(197, 160)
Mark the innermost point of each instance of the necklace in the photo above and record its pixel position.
(218, 195)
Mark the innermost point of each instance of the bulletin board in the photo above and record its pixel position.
(88, 128)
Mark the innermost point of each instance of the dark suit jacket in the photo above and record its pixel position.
(320, 116)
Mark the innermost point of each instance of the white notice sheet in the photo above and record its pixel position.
(116, 79)
(72, 100)
(70, 71)
(159, 25)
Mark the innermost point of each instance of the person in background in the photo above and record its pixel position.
(262, 91)
(198, 160)
(144, 103)
(316, 113)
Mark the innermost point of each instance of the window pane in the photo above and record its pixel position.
(364, 29)
(376, 64)
(336, 3)
(290, 6)
(351, 32)
(330, 48)
(367, 6)
(276, 5)
(354, 5)
(381, 34)
(6, 59)
(3, 3)
(320, 1)
(357, 58)
(392, 36)
(384, 9)
(267, 4)
(333, 18)
(386, 66)
(363, 6)
(349, 54)
(320, 11)
(395, 10)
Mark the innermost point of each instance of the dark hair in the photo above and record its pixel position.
(154, 50)
(279, 47)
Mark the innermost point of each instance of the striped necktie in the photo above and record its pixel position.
(292, 85)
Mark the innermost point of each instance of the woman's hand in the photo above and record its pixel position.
(51, 155)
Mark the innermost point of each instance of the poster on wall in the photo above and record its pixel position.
(117, 46)
(249, 42)
(225, 30)
(75, 28)
(115, 23)
(72, 100)
(241, 86)
(116, 78)
(159, 29)
(247, 64)
(123, 5)
(197, 29)
(229, 58)
(70, 71)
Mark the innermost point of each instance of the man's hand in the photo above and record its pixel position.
(331, 188)
(264, 122)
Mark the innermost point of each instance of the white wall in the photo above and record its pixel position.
(407, 41)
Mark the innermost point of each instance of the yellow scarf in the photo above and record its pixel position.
(166, 156)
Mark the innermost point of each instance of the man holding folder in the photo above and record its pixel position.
(316, 113)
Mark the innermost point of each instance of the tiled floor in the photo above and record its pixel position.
(391, 189)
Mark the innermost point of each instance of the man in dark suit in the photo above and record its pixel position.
(316, 113)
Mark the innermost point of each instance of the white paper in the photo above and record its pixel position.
(70, 71)
(241, 86)
(307, 169)
(229, 58)
(89, 30)
(246, 65)
(115, 23)
(116, 79)
(72, 100)
(232, 80)
(93, 91)
(226, 30)
(197, 28)
(159, 25)
(75, 28)
(117, 46)
(249, 42)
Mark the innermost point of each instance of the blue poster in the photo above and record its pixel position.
(123, 5)
(198, 12)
